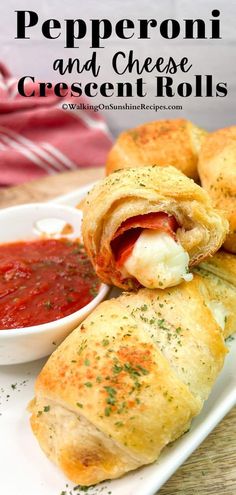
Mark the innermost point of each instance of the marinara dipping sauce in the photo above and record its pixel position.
(43, 280)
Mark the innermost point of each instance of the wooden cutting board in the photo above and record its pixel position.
(211, 469)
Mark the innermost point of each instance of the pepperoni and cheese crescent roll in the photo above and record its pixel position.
(127, 382)
(174, 142)
(147, 226)
(217, 171)
(219, 288)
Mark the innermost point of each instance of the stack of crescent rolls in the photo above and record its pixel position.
(130, 379)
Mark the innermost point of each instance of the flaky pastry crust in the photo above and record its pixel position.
(217, 171)
(175, 142)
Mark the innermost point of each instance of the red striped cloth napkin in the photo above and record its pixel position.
(38, 137)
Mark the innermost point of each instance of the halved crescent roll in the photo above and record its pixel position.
(174, 142)
(147, 226)
(219, 273)
(217, 171)
(127, 382)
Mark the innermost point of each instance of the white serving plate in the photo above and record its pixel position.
(24, 468)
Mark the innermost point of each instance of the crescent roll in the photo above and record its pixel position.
(174, 142)
(217, 171)
(222, 265)
(127, 382)
(219, 288)
(146, 227)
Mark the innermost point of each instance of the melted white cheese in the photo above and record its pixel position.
(158, 261)
(219, 312)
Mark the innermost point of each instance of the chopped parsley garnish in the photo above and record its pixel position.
(48, 304)
(117, 368)
(107, 411)
(144, 307)
(88, 384)
(119, 423)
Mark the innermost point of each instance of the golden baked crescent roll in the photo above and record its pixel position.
(219, 288)
(222, 265)
(146, 227)
(127, 382)
(174, 142)
(217, 171)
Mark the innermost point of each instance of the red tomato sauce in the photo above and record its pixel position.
(43, 280)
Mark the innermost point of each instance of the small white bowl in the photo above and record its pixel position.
(30, 222)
